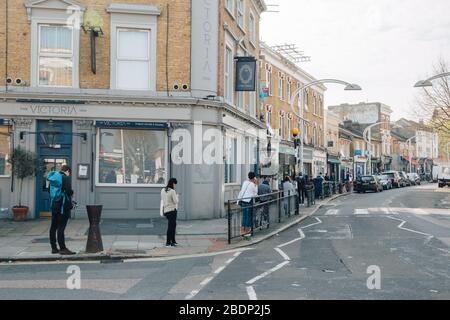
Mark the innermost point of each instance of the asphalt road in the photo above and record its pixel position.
(391, 245)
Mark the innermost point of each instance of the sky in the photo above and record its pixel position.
(385, 46)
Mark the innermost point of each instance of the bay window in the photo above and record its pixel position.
(132, 157)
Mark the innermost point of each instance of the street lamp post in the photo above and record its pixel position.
(409, 142)
(348, 87)
(368, 140)
(428, 82)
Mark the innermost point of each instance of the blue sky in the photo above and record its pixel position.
(386, 46)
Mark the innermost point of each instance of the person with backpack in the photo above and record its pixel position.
(169, 207)
(61, 205)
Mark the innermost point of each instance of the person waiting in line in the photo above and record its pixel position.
(248, 193)
(288, 192)
(61, 194)
(301, 184)
(169, 201)
(264, 193)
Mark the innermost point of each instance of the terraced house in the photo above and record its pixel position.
(280, 78)
(111, 87)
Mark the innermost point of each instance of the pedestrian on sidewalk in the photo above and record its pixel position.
(288, 192)
(264, 193)
(301, 184)
(248, 193)
(61, 194)
(169, 200)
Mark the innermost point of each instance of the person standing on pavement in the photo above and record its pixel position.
(301, 183)
(288, 191)
(264, 193)
(61, 206)
(169, 199)
(248, 193)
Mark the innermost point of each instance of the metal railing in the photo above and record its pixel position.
(263, 211)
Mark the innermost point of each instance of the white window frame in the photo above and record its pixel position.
(237, 172)
(306, 100)
(269, 117)
(252, 104)
(118, 59)
(281, 127)
(134, 17)
(289, 91)
(269, 81)
(109, 185)
(229, 6)
(228, 75)
(36, 24)
(240, 18)
(252, 29)
(9, 154)
(289, 129)
(280, 87)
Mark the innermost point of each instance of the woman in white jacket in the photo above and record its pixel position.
(169, 202)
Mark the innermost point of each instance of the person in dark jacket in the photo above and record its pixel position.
(59, 220)
(301, 184)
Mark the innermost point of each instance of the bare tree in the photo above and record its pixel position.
(434, 103)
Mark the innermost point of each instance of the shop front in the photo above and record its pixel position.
(308, 162)
(319, 162)
(346, 169)
(287, 162)
(360, 165)
(121, 155)
(334, 165)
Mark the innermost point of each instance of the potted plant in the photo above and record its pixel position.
(24, 165)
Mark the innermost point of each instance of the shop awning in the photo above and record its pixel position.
(333, 160)
(414, 162)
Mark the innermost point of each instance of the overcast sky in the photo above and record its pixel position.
(385, 46)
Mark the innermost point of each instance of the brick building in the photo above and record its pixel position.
(111, 87)
(280, 78)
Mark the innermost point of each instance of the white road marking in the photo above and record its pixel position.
(251, 293)
(283, 254)
(403, 222)
(332, 212)
(206, 281)
(361, 211)
(265, 274)
(310, 225)
(302, 236)
(215, 274)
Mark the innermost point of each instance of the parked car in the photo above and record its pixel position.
(386, 182)
(414, 178)
(444, 177)
(405, 179)
(368, 183)
(396, 179)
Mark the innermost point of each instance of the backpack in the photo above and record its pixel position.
(55, 180)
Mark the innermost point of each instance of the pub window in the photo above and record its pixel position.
(231, 160)
(5, 147)
(56, 56)
(132, 157)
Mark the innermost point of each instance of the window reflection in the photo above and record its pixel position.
(132, 157)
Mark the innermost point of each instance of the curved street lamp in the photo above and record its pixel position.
(367, 136)
(348, 87)
(428, 82)
(408, 142)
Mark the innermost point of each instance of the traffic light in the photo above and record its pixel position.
(295, 134)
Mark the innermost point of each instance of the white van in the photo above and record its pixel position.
(444, 176)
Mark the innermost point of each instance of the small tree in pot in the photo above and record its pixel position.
(24, 165)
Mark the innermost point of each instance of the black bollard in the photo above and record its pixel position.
(94, 242)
